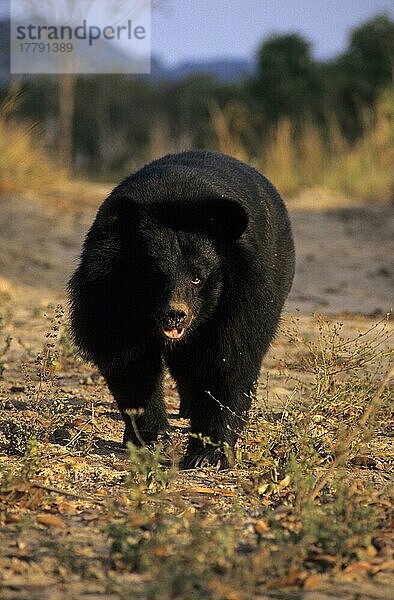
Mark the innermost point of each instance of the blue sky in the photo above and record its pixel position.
(185, 30)
(204, 29)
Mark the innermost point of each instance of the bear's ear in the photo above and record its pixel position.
(116, 214)
(226, 218)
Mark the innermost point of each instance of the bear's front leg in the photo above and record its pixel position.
(135, 381)
(217, 420)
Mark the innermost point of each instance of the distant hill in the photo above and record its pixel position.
(225, 70)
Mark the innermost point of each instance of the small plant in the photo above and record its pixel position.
(337, 380)
(43, 393)
(200, 562)
(14, 479)
(147, 470)
(181, 554)
(65, 343)
(67, 552)
(297, 458)
(47, 411)
(131, 548)
(18, 435)
(343, 525)
(3, 348)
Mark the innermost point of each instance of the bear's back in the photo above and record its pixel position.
(195, 174)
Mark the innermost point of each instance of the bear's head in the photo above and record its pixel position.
(174, 257)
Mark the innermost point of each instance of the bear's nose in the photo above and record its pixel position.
(174, 318)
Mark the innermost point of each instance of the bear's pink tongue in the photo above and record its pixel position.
(174, 334)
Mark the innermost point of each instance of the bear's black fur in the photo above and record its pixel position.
(188, 263)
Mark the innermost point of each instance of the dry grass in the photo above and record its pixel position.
(24, 161)
(297, 160)
(27, 166)
(293, 161)
(366, 170)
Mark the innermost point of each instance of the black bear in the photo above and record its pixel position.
(187, 264)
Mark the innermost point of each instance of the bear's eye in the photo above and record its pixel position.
(196, 280)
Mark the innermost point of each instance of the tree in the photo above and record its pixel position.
(287, 81)
(372, 49)
(73, 13)
(356, 79)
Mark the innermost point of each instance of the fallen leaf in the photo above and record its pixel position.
(189, 512)
(387, 565)
(262, 488)
(208, 490)
(67, 508)
(284, 482)
(358, 567)
(75, 462)
(363, 461)
(122, 499)
(90, 517)
(160, 551)
(293, 577)
(312, 581)
(50, 520)
(12, 518)
(366, 553)
(266, 502)
(261, 527)
(137, 522)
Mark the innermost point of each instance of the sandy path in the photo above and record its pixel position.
(344, 260)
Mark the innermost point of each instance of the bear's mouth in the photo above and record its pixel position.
(175, 333)
(175, 322)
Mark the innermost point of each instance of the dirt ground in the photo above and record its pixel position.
(344, 270)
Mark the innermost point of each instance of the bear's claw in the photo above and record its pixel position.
(206, 458)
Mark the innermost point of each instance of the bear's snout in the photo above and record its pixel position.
(176, 321)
